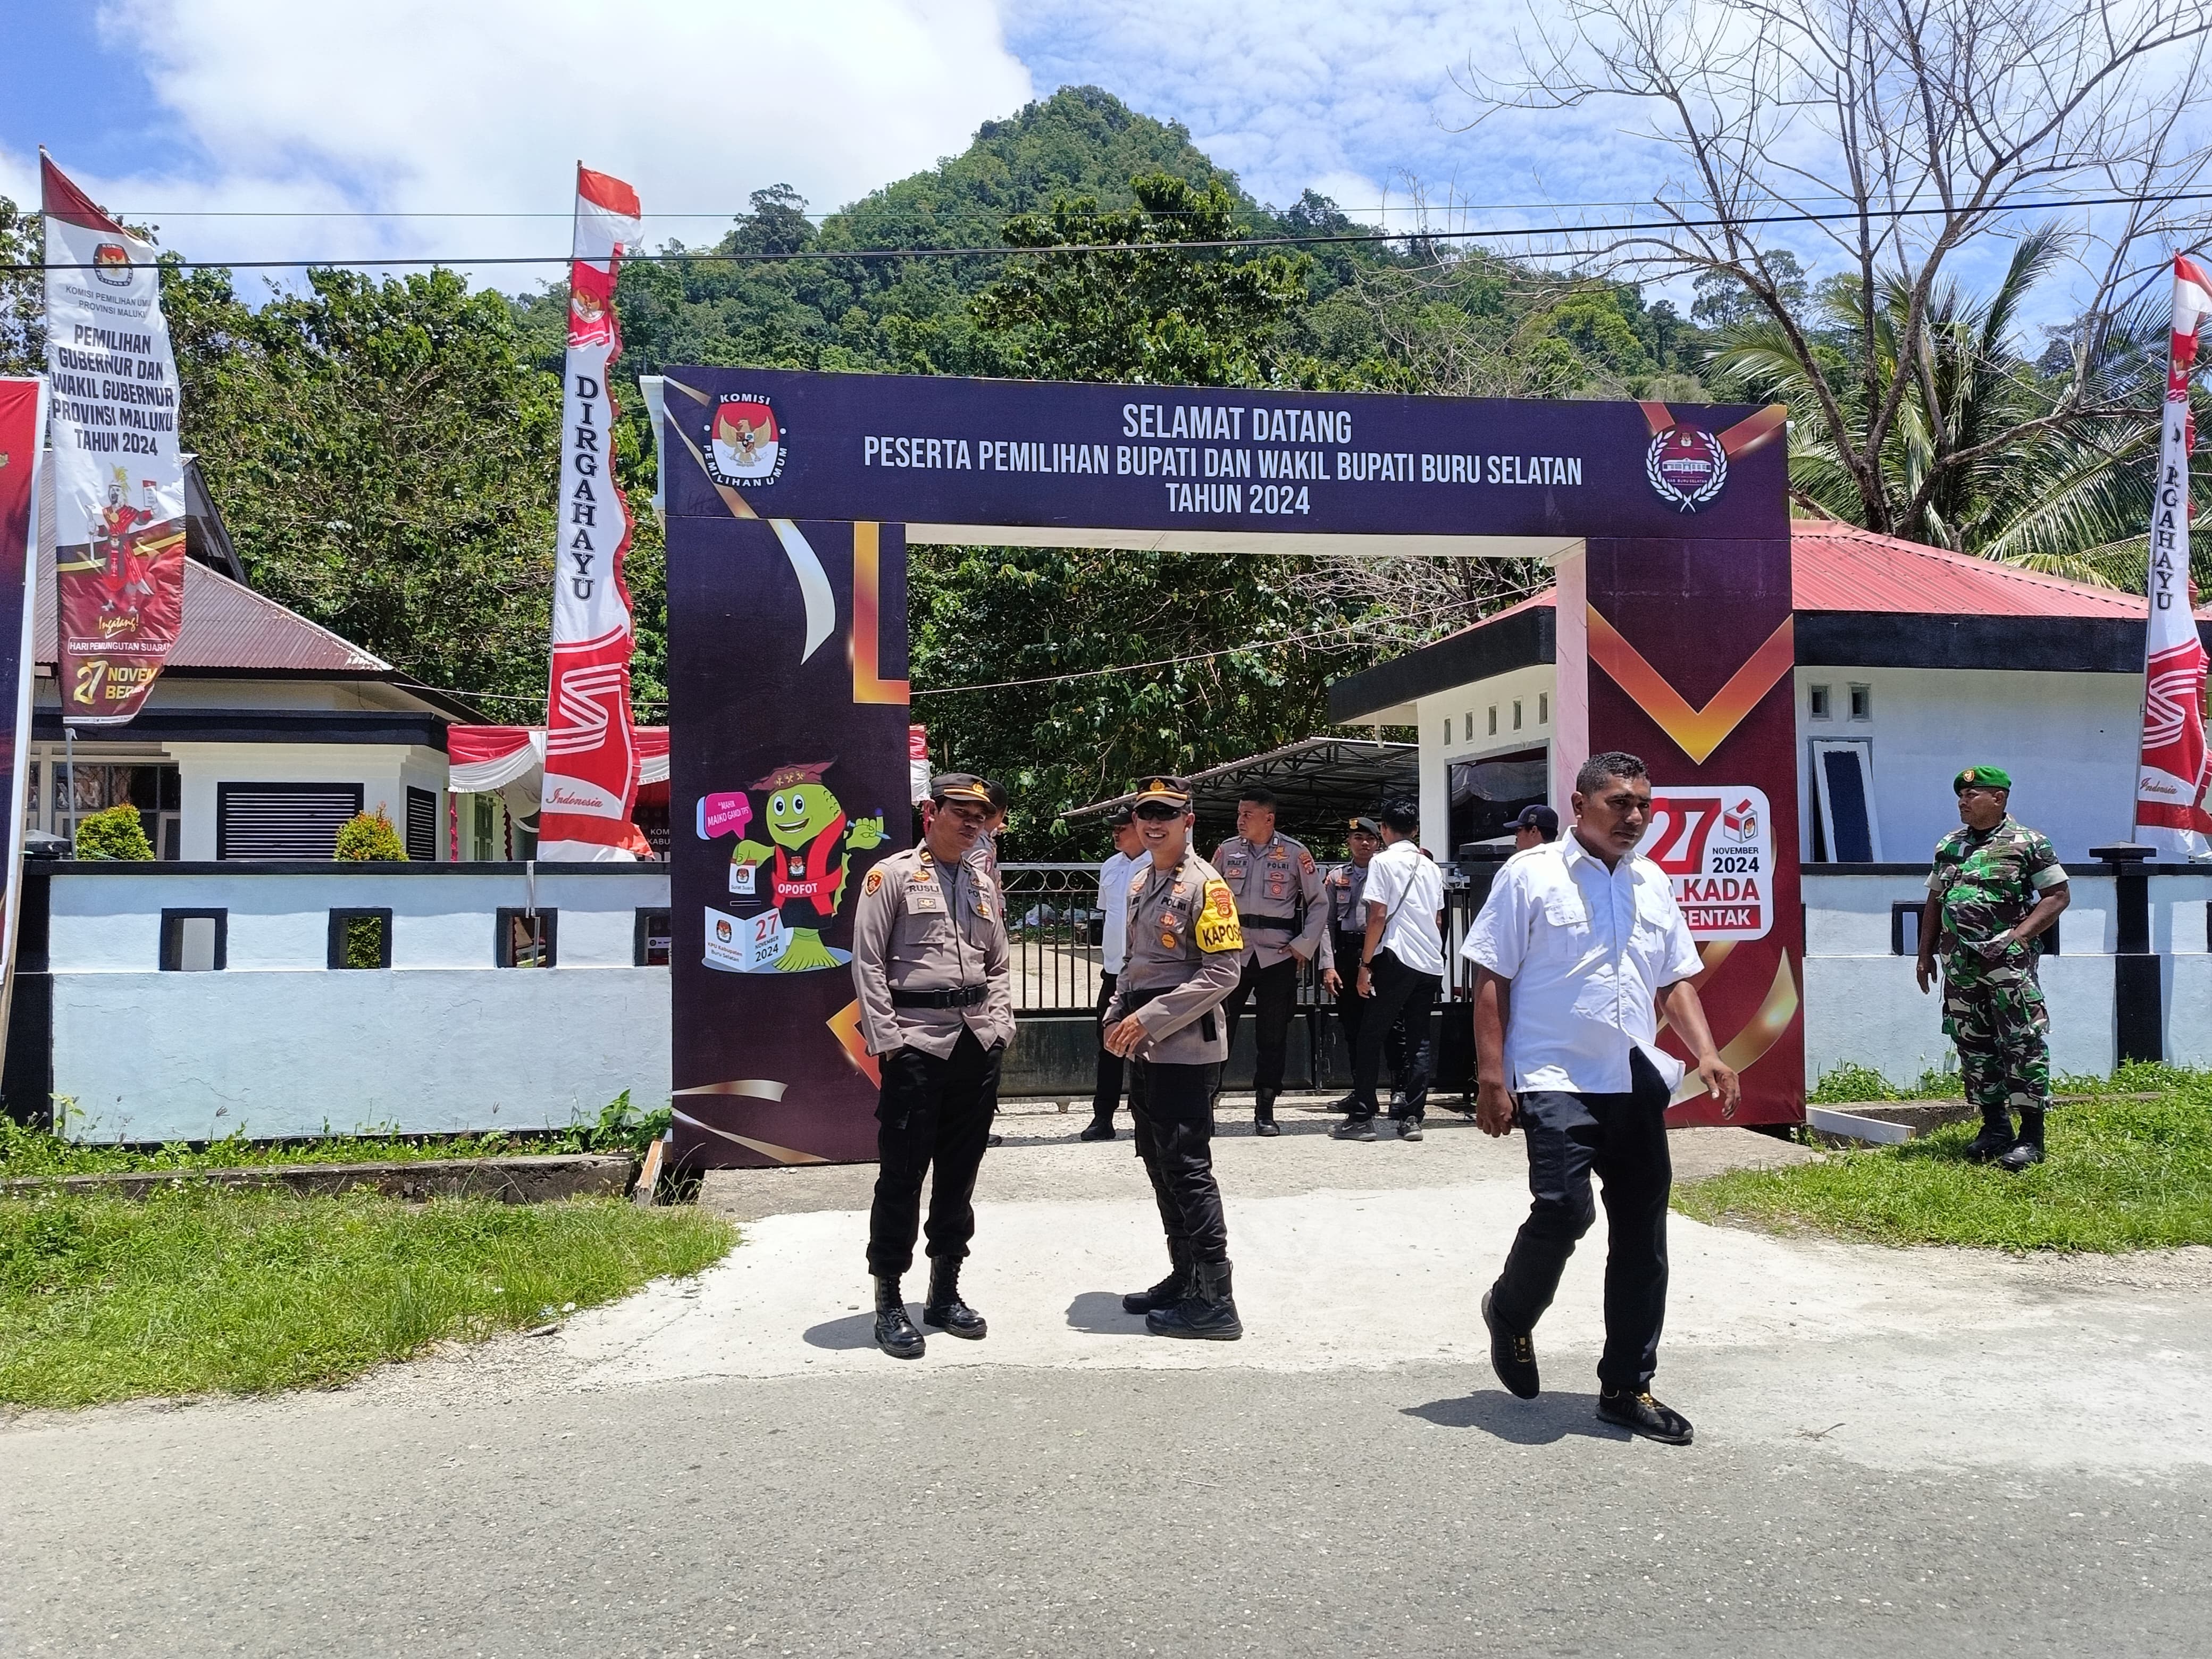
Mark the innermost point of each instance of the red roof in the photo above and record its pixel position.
(1841, 568)
(226, 626)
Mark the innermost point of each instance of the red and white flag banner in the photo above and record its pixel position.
(2173, 774)
(591, 762)
(118, 478)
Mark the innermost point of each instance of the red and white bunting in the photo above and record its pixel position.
(2172, 774)
(590, 763)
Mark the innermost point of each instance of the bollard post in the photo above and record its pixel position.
(2138, 995)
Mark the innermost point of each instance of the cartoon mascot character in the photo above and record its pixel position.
(812, 836)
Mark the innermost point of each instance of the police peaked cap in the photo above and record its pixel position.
(960, 785)
(1174, 791)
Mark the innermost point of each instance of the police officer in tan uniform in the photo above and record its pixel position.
(930, 970)
(1183, 957)
(1278, 906)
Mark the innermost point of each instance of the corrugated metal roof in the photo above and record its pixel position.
(1838, 566)
(224, 625)
(1841, 568)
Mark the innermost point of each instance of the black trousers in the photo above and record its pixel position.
(931, 1111)
(1352, 1009)
(1399, 993)
(1623, 1138)
(1173, 1109)
(1106, 1092)
(1276, 991)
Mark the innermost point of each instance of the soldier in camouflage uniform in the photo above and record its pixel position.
(1995, 886)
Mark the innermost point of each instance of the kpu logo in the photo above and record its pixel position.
(111, 263)
(745, 444)
(1687, 466)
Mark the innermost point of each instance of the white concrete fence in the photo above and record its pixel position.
(189, 1001)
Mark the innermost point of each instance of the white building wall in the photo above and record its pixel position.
(1454, 726)
(383, 770)
(277, 1044)
(2069, 741)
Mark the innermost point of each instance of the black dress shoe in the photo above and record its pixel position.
(944, 1310)
(1266, 1126)
(1513, 1357)
(1639, 1413)
(894, 1332)
(1101, 1128)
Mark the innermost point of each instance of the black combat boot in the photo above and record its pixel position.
(1101, 1127)
(1263, 1113)
(894, 1332)
(1169, 1290)
(1207, 1311)
(2028, 1149)
(1995, 1138)
(944, 1310)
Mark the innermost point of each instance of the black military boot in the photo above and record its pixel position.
(894, 1332)
(944, 1310)
(1995, 1138)
(1263, 1113)
(1207, 1311)
(1169, 1290)
(1101, 1127)
(2028, 1149)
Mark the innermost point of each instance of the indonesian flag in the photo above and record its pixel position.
(2172, 775)
(590, 763)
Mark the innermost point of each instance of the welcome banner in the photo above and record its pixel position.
(119, 478)
(2174, 771)
(591, 762)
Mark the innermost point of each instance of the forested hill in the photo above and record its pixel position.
(1368, 313)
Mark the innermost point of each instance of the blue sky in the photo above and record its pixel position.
(270, 129)
(195, 112)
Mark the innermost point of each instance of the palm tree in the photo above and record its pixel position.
(2045, 465)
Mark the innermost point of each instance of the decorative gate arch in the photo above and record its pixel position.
(792, 497)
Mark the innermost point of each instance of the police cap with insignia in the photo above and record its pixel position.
(960, 785)
(1982, 777)
(1365, 826)
(1176, 792)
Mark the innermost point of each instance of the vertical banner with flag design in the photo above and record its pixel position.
(119, 478)
(590, 763)
(2172, 770)
(23, 427)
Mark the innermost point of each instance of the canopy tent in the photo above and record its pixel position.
(509, 761)
(1318, 784)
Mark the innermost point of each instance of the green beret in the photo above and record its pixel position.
(1987, 777)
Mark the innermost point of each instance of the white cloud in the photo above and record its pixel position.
(484, 105)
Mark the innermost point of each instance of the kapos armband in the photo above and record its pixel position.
(1217, 928)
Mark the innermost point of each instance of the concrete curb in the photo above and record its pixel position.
(528, 1180)
(1894, 1120)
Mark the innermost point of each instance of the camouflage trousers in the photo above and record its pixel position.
(1993, 1013)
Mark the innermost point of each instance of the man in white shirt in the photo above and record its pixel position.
(1128, 857)
(1578, 943)
(1402, 968)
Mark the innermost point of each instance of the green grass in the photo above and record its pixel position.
(2122, 1175)
(202, 1290)
(1851, 1084)
(619, 1128)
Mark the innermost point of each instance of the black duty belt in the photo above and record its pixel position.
(1266, 924)
(966, 997)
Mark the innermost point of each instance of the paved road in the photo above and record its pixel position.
(1898, 1453)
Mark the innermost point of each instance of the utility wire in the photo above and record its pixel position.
(1209, 245)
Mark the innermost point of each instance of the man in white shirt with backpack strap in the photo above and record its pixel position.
(1579, 946)
(1400, 969)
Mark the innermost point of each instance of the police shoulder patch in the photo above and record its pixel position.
(1305, 860)
(1218, 929)
(874, 882)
